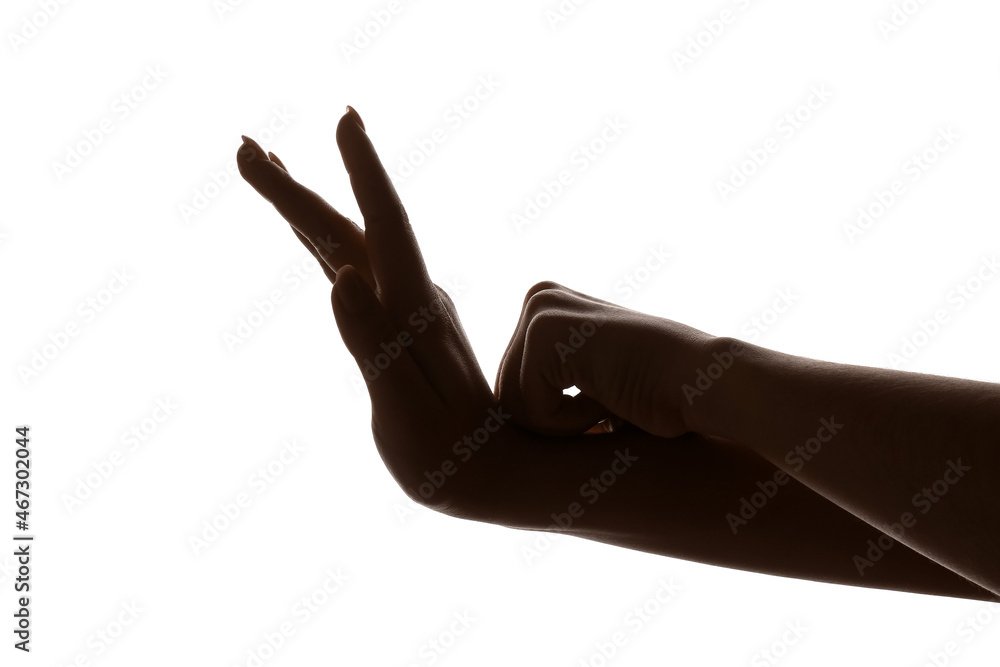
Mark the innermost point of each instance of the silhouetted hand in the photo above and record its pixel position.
(626, 364)
(431, 405)
(447, 441)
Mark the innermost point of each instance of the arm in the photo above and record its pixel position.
(917, 456)
(675, 499)
(670, 379)
(429, 397)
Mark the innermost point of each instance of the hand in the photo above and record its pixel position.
(431, 405)
(626, 364)
(451, 446)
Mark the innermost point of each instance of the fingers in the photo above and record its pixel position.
(318, 252)
(394, 380)
(337, 241)
(413, 302)
(274, 159)
(515, 346)
(386, 255)
(544, 374)
(331, 275)
(535, 369)
(393, 252)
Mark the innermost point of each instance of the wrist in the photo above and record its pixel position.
(724, 388)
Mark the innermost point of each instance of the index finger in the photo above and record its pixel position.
(393, 252)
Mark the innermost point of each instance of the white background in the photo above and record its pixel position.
(192, 277)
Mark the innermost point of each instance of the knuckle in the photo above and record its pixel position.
(545, 285)
(445, 297)
(543, 326)
(539, 301)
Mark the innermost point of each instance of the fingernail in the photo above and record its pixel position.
(356, 116)
(352, 291)
(252, 147)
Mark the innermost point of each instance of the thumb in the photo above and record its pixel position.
(541, 381)
(382, 354)
(552, 412)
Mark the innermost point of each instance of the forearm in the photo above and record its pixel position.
(914, 455)
(678, 497)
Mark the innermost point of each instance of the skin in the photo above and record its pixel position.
(626, 462)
